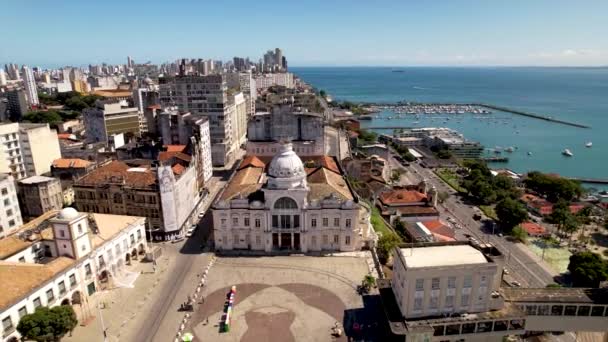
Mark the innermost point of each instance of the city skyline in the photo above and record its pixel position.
(312, 33)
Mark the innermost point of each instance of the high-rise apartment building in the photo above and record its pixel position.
(17, 104)
(10, 214)
(29, 82)
(2, 78)
(208, 96)
(27, 149)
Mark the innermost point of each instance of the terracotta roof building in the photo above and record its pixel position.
(410, 204)
(287, 202)
(63, 257)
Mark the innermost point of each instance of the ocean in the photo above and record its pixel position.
(574, 94)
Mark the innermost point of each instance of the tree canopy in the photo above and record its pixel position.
(587, 269)
(484, 187)
(48, 324)
(510, 213)
(52, 117)
(368, 136)
(71, 100)
(552, 187)
(386, 243)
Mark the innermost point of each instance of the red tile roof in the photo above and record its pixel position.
(252, 161)
(118, 172)
(64, 163)
(64, 135)
(533, 229)
(178, 169)
(175, 148)
(402, 197)
(439, 230)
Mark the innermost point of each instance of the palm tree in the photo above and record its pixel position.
(368, 282)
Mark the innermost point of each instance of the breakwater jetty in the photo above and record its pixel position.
(590, 180)
(532, 115)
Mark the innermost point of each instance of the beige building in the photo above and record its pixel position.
(27, 149)
(39, 194)
(434, 279)
(208, 95)
(111, 117)
(289, 203)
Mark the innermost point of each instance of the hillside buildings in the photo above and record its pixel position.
(38, 195)
(289, 204)
(208, 96)
(64, 257)
(27, 149)
(304, 129)
(10, 213)
(111, 117)
(265, 81)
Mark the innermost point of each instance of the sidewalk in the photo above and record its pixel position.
(121, 306)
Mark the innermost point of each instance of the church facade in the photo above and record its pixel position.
(290, 204)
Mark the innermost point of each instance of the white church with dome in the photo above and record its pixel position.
(292, 203)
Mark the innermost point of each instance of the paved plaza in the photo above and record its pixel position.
(291, 298)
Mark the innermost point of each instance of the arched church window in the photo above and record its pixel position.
(285, 203)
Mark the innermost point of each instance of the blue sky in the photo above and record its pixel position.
(329, 32)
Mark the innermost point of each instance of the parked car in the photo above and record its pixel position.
(190, 232)
(201, 214)
(515, 284)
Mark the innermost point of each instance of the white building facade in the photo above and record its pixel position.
(29, 83)
(287, 208)
(10, 214)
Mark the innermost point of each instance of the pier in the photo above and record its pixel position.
(495, 159)
(531, 115)
(589, 180)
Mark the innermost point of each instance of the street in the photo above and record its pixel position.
(524, 267)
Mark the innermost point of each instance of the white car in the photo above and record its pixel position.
(189, 232)
(201, 214)
(516, 284)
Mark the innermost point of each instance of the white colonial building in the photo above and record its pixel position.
(289, 204)
(63, 258)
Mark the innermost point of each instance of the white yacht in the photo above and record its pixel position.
(589, 144)
(567, 153)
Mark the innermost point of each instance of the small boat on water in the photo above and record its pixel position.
(589, 144)
(510, 149)
(529, 153)
(567, 153)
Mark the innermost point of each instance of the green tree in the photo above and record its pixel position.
(400, 227)
(552, 187)
(76, 103)
(48, 325)
(510, 213)
(519, 234)
(442, 196)
(322, 93)
(51, 117)
(368, 136)
(386, 243)
(368, 282)
(587, 269)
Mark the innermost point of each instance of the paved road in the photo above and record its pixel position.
(523, 266)
(162, 319)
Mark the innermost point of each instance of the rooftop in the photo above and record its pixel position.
(438, 256)
(556, 295)
(118, 172)
(401, 197)
(65, 163)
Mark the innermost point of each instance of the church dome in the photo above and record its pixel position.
(286, 164)
(68, 214)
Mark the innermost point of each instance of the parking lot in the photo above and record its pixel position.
(282, 298)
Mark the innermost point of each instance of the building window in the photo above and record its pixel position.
(84, 247)
(62, 233)
(336, 239)
(347, 240)
(285, 203)
(325, 239)
(11, 223)
(451, 282)
(138, 234)
(22, 259)
(62, 287)
(275, 221)
(419, 284)
(22, 312)
(435, 283)
(7, 202)
(257, 223)
(258, 240)
(285, 221)
(468, 281)
(132, 238)
(79, 228)
(87, 270)
(235, 239)
(325, 222)
(235, 221)
(336, 222)
(313, 222)
(483, 280)
(9, 212)
(4, 191)
(347, 223)
(296, 221)
(464, 300)
(434, 302)
(50, 296)
(7, 325)
(449, 301)
(246, 221)
(37, 303)
(418, 304)
(72, 281)
(223, 222)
